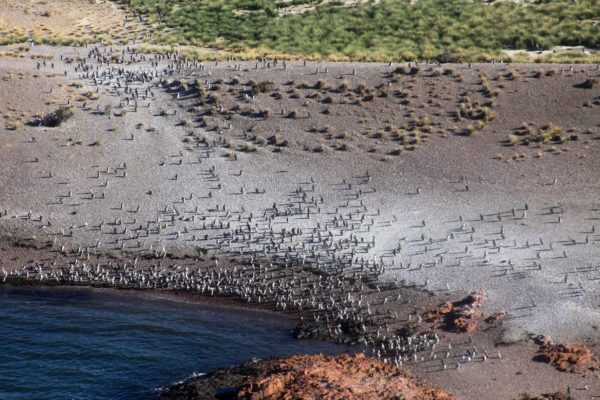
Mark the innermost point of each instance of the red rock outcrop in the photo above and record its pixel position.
(334, 377)
(459, 316)
(566, 356)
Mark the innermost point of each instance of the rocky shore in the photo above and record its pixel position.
(307, 377)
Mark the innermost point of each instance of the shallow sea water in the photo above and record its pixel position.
(80, 343)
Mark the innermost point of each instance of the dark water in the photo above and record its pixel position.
(60, 343)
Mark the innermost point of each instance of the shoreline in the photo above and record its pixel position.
(169, 296)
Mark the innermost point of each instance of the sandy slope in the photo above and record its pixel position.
(60, 17)
(448, 217)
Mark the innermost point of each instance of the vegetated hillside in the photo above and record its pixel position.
(376, 31)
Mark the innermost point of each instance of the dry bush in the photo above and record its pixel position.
(589, 83)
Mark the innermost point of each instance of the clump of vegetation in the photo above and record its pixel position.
(277, 141)
(470, 130)
(405, 71)
(322, 85)
(589, 83)
(527, 135)
(448, 57)
(213, 98)
(264, 113)
(13, 125)
(247, 148)
(318, 148)
(397, 151)
(57, 117)
(486, 88)
(513, 75)
(368, 97)
(343, 147)
(265, 86)
(475, 111)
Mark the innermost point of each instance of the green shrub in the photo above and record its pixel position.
(57, 117)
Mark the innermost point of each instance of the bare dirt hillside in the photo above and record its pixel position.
(66, 20)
